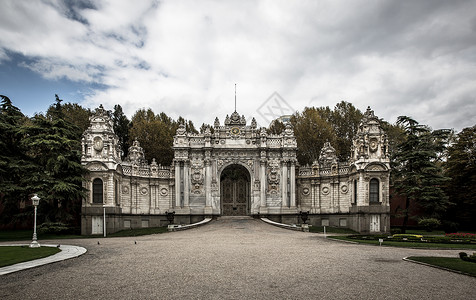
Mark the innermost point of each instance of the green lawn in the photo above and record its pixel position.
(407, 244)
(10, 255)
(139, 231)
(452, 263)
(320, 229)
(26, 235)
(424, 232)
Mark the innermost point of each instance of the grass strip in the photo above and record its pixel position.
(451, 263)
(320, 229)
(407, 244)
(139, 231)
(26, 235)
(10, 255)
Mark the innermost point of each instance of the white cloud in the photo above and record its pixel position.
(183, 57)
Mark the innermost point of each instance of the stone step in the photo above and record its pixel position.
(235, 218)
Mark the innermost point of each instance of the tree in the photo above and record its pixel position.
(14, 165)
(311, 132)
(205, 126)
(417, 175)
(276, 127)
(53, 143)
(73, 113)
(121, 126)
(345, 120)
(461, 168)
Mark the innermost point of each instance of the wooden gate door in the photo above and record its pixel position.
(235, 187)
(97, 225)
(374, 223)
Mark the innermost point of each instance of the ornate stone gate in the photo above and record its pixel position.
(236, 169)
(235, 191)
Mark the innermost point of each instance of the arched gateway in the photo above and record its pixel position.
(235, 187)
(235, 168)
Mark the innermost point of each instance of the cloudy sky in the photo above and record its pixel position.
(414, 58)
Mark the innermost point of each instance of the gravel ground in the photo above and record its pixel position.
(237, 259)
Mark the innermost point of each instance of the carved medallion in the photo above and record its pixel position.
(98, 143)
(373, 145)
(235, 131)
(344, 189)
(325, 190)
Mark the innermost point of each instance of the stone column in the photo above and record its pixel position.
(109, 199)
(360, 190)
(292, 185)
(208, 184)
(177, 184)
(186, 183)
(263, 184)
(284, 184)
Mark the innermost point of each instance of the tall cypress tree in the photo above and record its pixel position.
(121, 126)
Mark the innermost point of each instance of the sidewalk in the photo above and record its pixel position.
(67, 252)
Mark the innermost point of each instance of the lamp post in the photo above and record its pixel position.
(34, 242)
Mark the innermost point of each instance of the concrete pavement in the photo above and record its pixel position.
(237, 259)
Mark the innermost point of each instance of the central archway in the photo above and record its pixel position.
(235, 185)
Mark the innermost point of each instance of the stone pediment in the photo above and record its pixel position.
(376, 167)
(96, 166)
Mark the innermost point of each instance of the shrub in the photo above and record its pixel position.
(449, 226)
(395, 230)
(465, 257)
(409, 237)
(429, 224)
(462, 236)
(54, 228)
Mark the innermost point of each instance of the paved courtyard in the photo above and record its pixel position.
(237, 259)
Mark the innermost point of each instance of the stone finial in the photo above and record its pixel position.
(217, 122)
(328, 155)
(181, 130)
(288, 129)
(136, 153)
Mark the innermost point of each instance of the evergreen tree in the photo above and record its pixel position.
(461, 168)
(54, 145)
(14, 165)
(276, 127)
(205, 126)
(417, 175)
(73, 113)
(121, 126)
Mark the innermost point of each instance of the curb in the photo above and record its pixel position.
(67, 252)
(190, 226)
(285, 226)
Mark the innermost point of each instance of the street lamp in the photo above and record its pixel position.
(36, 201)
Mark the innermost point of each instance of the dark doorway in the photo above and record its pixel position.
(235, 191)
